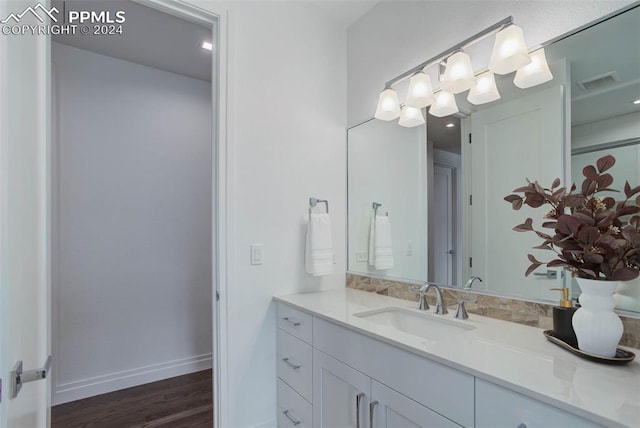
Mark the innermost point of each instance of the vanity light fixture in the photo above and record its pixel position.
(458, 74)
(207, 45)
(535, 73)
(485, 89)
(509, 51)
(445, 105)
(420, 91)
(509, 54)
(388, 105)
(411, 116)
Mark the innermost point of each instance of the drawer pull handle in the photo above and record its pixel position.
(372, 405)
(293, 420)
(359, 398)
(290, 364)
(522, 425)
(293, 323)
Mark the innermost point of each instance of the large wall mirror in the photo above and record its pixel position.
(441, 188)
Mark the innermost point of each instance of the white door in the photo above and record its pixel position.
(340, 394)
(389, 409)
(443, 225)
(24, 219)
(511, 142)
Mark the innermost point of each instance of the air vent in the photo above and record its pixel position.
(598, 82)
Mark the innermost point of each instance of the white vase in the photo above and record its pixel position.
(598, 328)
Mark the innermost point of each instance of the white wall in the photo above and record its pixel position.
(287, 117)
(387, 164)
(132, 286)
(606, 131)
(397, 35)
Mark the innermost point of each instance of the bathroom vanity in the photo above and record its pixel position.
(347, 358)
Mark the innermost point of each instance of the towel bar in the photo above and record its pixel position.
(315, 201)
(376, 205)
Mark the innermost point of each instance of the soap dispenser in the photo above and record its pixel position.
(562, 317)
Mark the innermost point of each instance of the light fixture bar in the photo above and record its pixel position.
(466, 43)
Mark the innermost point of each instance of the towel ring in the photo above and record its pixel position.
(315, 201)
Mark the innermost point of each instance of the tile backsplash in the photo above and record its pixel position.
(513, 310)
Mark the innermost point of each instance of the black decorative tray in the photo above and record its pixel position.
(621, 357)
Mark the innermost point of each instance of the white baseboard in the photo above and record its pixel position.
(269, 424)
(85, 388)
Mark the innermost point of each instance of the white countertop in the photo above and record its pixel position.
(512, 355)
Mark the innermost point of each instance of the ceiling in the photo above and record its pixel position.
(150, 38)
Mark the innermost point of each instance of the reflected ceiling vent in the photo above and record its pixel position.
(600, 81)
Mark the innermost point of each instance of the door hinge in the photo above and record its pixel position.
(470, 199)
(470, 262)
(217, 296)
(469, 137)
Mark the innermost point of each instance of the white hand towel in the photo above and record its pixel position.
(319, 248)
(383, 246)
(372, 242)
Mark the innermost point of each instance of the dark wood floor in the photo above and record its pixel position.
(179, 402)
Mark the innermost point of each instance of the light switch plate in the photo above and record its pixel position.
(256, 254)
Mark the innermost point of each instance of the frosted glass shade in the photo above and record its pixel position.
(509, 51)
(388, 105)
(411, 116)
(458, 74)
(420, 91)
(444, 105)
(535, 73)
(485, 89)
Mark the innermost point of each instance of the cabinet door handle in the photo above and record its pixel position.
(522, 425)
(293, 323)
(290, 364)
(359, 398)
(293, 420)
(372, 405)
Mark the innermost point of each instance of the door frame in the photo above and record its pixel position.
(217, 18)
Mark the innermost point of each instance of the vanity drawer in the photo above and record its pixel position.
(498, 407)
(295, 322)
(293, 410)
(295, 359)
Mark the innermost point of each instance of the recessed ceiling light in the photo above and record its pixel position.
(450, 125)
(636, 101)
(207, 45)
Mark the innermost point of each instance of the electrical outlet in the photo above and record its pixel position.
(362, 256)
(409, 248)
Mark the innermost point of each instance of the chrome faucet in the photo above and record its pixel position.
(423, 305)
(471, 280)
(461, 311)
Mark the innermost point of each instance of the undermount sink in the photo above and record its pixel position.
(426, 326)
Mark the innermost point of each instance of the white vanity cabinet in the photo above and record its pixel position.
(330, 376)
(500, 407)
(341, 394)
(294, 368)
(390, 409)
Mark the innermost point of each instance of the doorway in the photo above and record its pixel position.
(132, 201)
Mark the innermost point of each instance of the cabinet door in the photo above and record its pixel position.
(390, 409)
(340, 394)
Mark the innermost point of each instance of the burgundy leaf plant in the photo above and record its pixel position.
(594, 237)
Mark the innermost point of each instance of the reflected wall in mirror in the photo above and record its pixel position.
(605, 110)
(387, 166)
(551, 131)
